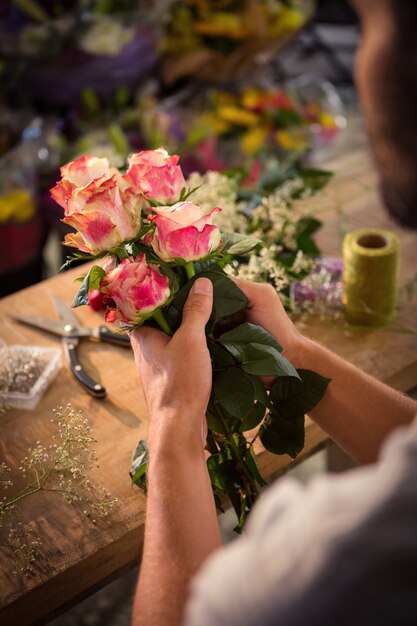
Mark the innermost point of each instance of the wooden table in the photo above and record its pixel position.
(78, 556)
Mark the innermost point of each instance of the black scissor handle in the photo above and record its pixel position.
(90, 385)
(117, 339)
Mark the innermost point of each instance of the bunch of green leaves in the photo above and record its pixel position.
(241, 357)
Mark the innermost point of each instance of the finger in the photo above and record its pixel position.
(147, 342)
(254, 291)
(199, 304)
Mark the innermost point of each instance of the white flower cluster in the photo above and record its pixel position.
(263, 267)
(274, 221)
(216, 189)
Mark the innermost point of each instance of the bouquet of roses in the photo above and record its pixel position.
(150, 242)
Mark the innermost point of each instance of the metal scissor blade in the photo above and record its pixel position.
(66, 314)
(51, 326)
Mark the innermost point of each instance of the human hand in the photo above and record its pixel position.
(265, 308)
(176, 373)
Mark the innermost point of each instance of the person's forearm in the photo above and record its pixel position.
(181, 530)
(357, 411)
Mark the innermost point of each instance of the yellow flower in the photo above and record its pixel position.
(250, 97)
(18, 205)
(237, 116)
(288, 21)
(254, 139)
(222, 24)
(291, 141)
(327, 120)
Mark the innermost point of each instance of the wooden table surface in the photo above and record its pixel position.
(77, 555)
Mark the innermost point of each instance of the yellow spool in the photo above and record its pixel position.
(370, 276)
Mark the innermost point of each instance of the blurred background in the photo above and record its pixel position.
(229, 85)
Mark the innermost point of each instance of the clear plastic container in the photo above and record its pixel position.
(44, 364)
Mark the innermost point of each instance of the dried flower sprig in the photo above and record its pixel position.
(62, 468)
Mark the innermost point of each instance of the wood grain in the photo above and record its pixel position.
(78, 555)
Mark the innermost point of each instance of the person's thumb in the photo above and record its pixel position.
(199, 304)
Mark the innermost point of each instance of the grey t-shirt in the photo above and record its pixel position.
(339, 552)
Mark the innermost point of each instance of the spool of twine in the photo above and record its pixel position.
(370, 279)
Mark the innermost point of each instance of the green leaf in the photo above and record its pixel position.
(253, 467)
(227, 298)
(235, 243)
(186, 193)
(82, 295)
(283, 436)
(307, 245)
(95, 277)
(234, 390)
(77, 256)
(310, 392)
(214, 423)
(139, 466)
(91, 281)
(304, 229)
(253, 418)
(307, 225)
(261, 394)
(266, 361)
(284, 387)
(222, 471)
(247, 333)
(220, 357)
(314, 179)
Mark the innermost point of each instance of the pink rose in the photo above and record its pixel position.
(136, 288)
(156, 174)
(183, 231)
(99, 203)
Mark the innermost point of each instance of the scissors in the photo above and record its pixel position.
(71, 331)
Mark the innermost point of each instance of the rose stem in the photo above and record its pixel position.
(189, 268)
(250, 482)
(161, 321)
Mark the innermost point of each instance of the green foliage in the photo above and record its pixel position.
(234, 390)
(227, 299)
(283, 436)
(265, 361)
(283, 430)
(139, 466)
(247, 333)
(237, 244)
(91, 281)
(306, 227)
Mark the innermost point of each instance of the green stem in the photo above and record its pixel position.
(121, 253)
(161, 321)
(189, 268)
(238, 457)
(118, 139)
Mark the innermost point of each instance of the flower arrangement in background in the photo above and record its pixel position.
(59, 468)
(73, 45)
(226, 129)
(151, 242)
(220, 41)
(269, 211)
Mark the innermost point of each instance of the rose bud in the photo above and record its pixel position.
(183, 231)
(96, 300)
(99, 203)
(156, 174)
(137, 289)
